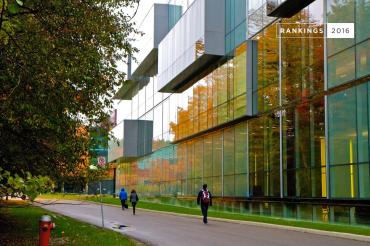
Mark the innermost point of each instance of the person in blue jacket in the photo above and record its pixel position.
(123, 198)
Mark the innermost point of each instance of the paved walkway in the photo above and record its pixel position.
(165, 229)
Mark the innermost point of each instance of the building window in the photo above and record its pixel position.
(348, 143)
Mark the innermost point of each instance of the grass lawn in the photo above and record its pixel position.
(361, 230)
(19, 226)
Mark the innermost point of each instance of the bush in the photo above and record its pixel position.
(23, 186)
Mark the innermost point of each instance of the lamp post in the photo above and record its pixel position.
(93, 168)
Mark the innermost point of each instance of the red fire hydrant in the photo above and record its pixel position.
(45, 227)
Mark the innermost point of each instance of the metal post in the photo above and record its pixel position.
(281, 173)
(101, 206)
(327, 166)
(114, 182)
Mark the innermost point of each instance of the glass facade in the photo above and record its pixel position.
(235, 28)
(179, 49)
(349, 143)
(145, 44)
(304, 156)
(349, 59)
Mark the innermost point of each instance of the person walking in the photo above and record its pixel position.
(133, 199)
(205, 200)
(123, 198)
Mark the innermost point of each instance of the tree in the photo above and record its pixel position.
(58, 71)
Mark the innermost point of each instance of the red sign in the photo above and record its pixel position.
(101, 161)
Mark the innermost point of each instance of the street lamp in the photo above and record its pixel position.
(95, 168)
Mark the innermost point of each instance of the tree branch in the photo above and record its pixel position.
(2, 14)
(15, 87)
(137, 7)
(15, 42)
(34, 12)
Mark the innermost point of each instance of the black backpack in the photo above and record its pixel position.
(133, 197)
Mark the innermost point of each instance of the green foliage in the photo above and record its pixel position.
(13, 8)
(29, 185)
(58, 72)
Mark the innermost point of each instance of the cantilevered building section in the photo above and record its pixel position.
(275, 125)
(155, 25)
(133, 137)
(133, 140)
(197, 40)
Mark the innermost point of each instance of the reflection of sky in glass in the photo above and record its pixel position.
(123, 110)
(178, 49)
(142, 11)
(144, 8)
(255, 4)
(180, 103)
(316, 11)
(115, 150)
(144, 43)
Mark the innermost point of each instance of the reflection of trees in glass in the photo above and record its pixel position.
(340, 11)
(302, 78)
(362, 20)
(209, 103)
(268, 62)
(302, 66)
(302, 62)
(210, 100)
(237, 68)
(181, 161)
(348, 125)
(199, 48)
(344, 59)
(303, 150)
(264, 157)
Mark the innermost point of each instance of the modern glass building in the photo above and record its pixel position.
(275, 124)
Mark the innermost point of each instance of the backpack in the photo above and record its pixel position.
(133, 197)
(205, 197)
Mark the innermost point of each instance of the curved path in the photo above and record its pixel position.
(165, 229)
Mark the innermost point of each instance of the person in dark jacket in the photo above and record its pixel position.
(205, 200)
(123, 198)
(133, 199)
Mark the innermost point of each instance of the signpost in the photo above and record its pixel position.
(92, 167)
